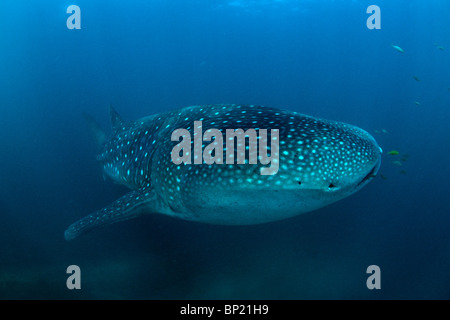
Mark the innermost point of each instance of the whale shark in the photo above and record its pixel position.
(318, 163)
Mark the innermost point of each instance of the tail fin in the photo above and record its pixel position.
(97, 132)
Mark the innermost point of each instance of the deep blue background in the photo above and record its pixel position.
(315, 57)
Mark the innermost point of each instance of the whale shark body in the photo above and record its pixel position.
(319, 162)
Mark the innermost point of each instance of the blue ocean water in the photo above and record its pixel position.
(316, 57)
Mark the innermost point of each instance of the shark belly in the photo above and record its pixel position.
(251, 207)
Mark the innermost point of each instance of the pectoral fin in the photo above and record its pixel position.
(130, 206)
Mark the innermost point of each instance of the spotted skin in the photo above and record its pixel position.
(320, 162)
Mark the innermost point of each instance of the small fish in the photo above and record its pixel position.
(416, 78)
(398, 49)
(393, 153)
(384, 131)
(382, 176)
(417, 103)
(441, 48)
(403, 172)
(397, 163)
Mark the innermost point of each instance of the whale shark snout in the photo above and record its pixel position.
(372, 173)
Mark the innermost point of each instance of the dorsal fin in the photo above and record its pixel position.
(116, 120)
(97, 132)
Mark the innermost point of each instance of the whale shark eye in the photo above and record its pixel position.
(331, 186)
(299, 182)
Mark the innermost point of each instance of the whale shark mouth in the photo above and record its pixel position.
(372, 174)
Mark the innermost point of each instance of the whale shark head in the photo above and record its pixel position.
(328, 160)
